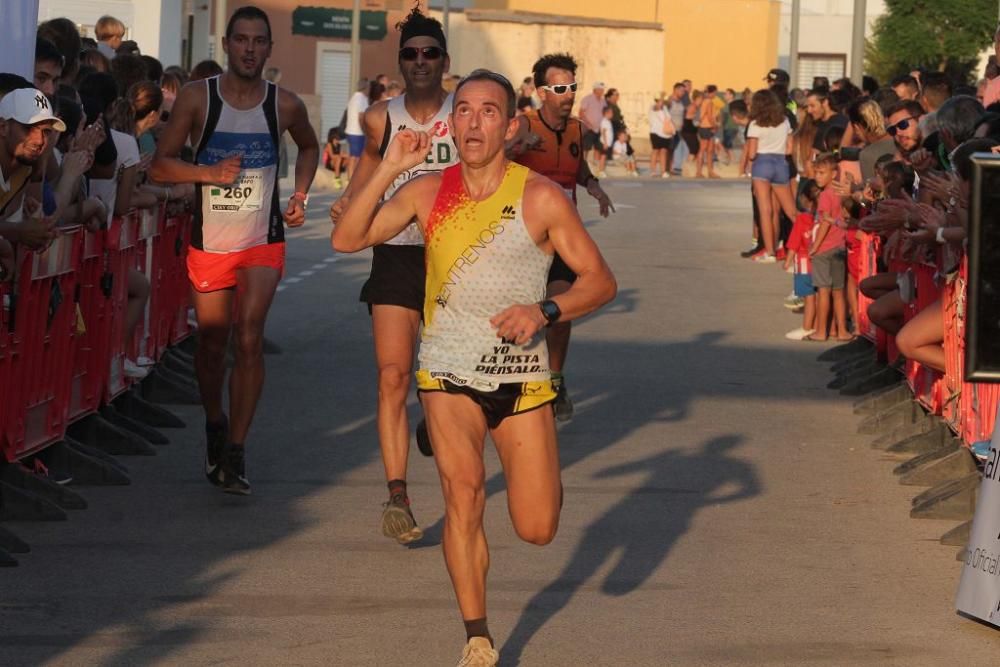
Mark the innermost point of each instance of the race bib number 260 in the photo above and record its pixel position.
(245, 194)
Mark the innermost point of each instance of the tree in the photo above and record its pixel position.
(940, 35)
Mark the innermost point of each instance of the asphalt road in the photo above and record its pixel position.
(720, 509)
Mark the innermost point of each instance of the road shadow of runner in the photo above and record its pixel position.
(643, 527)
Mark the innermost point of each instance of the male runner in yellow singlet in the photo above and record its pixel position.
(490, 228)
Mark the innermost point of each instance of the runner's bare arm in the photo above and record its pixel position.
(587, 179)
(363, 222)
(553, 221)
(373, 123)
(304, 136)
(167, 167)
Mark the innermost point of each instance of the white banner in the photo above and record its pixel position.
(979, 588)
(17, 53)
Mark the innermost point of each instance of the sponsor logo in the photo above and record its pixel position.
(508, 212)
(440, 129)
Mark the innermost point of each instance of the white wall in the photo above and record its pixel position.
(826, 26)
(18, 54)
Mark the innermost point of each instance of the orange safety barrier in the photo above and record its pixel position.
(61, 343)
(868, 252)
(968, 408)
(41, 320)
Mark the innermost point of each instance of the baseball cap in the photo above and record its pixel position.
(778, 76)
(29, 106)
(598, 84)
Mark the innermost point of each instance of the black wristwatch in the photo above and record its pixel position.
(550, 311)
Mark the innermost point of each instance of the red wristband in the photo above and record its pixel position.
(301, 196)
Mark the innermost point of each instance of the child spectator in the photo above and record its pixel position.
(332, 159)
(799, 243)
(607, 141)
(829, 256)
(620, 153)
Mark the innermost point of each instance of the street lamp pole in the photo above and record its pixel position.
(444, 16)
(858, 42)
(793, 47)
(355, 45)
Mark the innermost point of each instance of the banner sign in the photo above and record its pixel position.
(979, 587)
(332, 22)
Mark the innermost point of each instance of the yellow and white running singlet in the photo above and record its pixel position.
(480, 261)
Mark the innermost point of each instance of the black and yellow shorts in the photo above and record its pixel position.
(512, 398)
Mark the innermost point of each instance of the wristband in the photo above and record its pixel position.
(302, 197)
(939, 237)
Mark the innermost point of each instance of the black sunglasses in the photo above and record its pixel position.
(901, 125)
(429, 52)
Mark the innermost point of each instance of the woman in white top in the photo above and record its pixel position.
(769, 142)
(661, 135)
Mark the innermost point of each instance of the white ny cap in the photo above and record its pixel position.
(29, 107)
(599, 84)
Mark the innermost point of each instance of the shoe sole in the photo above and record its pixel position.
(236, 491)
(398, 525)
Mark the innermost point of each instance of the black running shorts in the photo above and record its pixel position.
(397, 277)
(559, 271)
(512, 398)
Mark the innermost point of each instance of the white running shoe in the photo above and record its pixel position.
(145, 362)
(130, 369)
(764, 258)
(799, 334)
(602, 174)
(665, 174)
(479, 653)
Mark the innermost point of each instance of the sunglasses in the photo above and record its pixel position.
(429, 52)
(901, 125)
(561, 88)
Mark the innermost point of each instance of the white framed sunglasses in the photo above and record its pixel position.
(561, 88)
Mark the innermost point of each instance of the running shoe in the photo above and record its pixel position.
(602, 174)
(764, 257)
(780, 254)
(130, 369)
(793, 302)
(398, 522)
(424, 439)
(215, 443)
(752, 250)
(563, 405)
(232, 471)
(479, 653)
(981, 449)
(665, 174)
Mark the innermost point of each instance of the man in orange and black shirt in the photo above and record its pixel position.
(550, 142)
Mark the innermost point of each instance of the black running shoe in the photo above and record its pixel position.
(424, 439)
(215, 442)
(563, 405)
(398, 522)
(750, 252)
(232, 471)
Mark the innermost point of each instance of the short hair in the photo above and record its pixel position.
(867, 114)
(9, 82)
(821, 94)
(128, 71)
(738, 108)
(418, 24)
(959, 116)
(766, 109)
(96, 60)
(711, 88)
(937, 88)
(108, 27)
(885, 98)
(248, 13)
(154, 68)
(46, 52)
(840, 99)
(101, 87)
(912, 107)
(905, 80)
(827, 159)
(679, 85)
(558, 60)
(63, 33)
(498, 79)
(869, 84)
(610, 92)
(206, 69)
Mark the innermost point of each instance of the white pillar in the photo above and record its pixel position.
(793, 47)
(355, 46)
(201, 31)
(17, 56)
(157, 29)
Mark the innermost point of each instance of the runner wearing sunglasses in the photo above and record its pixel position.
(550, 142)
(394, 291)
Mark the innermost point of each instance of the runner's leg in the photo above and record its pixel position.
(214, 311)
(526, 444)
(458, 429)
(256, 286)
(395, 331)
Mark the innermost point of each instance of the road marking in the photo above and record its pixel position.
(316, 267)
(331, 260)
(306, 273)
(293, 279)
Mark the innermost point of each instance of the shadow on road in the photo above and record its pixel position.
(641, 529)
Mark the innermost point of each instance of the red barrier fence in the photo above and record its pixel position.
(61, 323)
(968, 408)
